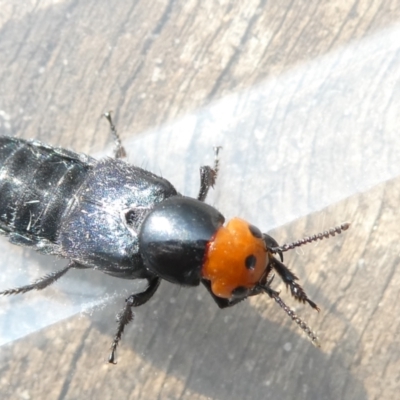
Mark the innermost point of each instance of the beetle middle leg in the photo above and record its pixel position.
(208, 175)
(119, 150)
(126, 315)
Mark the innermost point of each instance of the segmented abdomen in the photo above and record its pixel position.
(36, 185)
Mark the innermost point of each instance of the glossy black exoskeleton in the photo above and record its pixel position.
(129, 223)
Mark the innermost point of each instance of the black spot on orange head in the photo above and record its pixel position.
(250, 262)
(255, 231)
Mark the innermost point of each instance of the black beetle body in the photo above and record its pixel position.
(129, 223)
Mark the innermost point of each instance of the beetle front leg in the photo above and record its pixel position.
(289, 278)
(208, 176)
(126, 315)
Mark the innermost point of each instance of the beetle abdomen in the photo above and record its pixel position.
(36, 185)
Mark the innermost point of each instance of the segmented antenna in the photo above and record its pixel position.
(313, 238)
(266, 287)
(304, 327)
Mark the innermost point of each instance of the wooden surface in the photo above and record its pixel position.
(64, 63)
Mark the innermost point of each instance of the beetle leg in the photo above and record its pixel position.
(119, 151)
(126, 315)
(208, 176)
(42, 282)
(289, 278)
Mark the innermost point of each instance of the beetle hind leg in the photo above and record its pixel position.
(42, 282)
(126, 315)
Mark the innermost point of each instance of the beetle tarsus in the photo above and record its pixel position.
(126, 315)
(40, 283)
(207, 180)
(216, 160)
(208, 176)
(119, 150)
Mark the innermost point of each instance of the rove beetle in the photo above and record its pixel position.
(129, 223)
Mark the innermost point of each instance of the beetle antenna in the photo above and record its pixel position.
(313, 238)
(304, 327)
